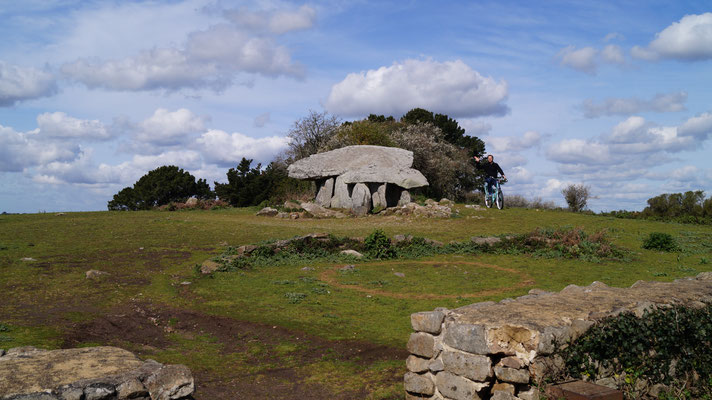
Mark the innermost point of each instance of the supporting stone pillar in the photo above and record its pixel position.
(341, 197)
(325, 191)
(361, 199)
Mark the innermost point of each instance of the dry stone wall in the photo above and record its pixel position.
(501, 350)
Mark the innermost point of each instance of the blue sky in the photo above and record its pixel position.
(93, 94)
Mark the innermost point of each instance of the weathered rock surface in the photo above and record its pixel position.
(344, 175)
(267, 212)
(96, 373)
(510, 345)
(318, 211)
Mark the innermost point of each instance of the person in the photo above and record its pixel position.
(491, 169)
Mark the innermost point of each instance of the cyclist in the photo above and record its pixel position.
(491, 169)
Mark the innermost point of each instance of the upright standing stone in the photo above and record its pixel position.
(379, 197)
(404, 198)
(326, 190)
(341, 197)
(361, 199)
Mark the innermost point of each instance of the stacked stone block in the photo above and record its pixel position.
(502, 350)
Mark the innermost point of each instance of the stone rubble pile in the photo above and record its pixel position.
(360, 178)
(92, 373)
(500, 350)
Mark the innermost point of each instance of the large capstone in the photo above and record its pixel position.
(343, 177)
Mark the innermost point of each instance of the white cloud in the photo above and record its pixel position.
(636, 135)
(520, 175)
(166, 127)
(20, 150)
(583, 59)
(278, 22)
(227, 149)
(699, 126)
(475, 128)
(20, 83)
(510, 143)
(613, 54)
(450, 87)
(60, 125)
(577, 151)
(612, 36)
(689, 39)
(209, 58)
(661, 102)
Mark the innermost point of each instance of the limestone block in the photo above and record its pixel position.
(531, 393)
(341, 198)
(552, 337)
(427, 321)
(361, 199)
(511, 362)
(99, 391)
(512, 375)
(503, 396)
(416, 383)
(325, 192)
(417, 364)
(503, 387)
(131, 389)
(467, 337)
(170, 382)
(422, 344)
(404, 198)
(378, 197)
(458, 388)
(71, 393)
(436, 365)
(472, 366)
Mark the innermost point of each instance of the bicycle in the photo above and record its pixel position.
(496, 197)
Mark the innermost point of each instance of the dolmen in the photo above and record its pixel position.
(360, 178)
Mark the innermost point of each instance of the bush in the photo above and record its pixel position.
(378, 245)
(668, 345)
(161, 186)
(660, 241)
(517, 201)
(576, 196)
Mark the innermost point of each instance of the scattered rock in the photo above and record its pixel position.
(290, 205)
(96, 373)
(209, 266)
(349, 267)
(352, 253)
(59, 214)
(318, 211)
(399, 274)
(489, 241)
(307, 269)
(267, 212)
(95, 274)
(29, 259)
(191, 202)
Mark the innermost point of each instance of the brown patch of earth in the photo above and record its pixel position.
(147, 328)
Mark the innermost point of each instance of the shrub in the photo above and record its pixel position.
(378, 245)
(518, 201)
(668, 345)
(660, 241)
(576, 196)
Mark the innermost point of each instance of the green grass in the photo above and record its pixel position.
(148, 254)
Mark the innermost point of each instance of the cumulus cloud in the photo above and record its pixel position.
(227, 149)
(61, 126)
(20, 150)
(689, 39)
(577, 151)
(699, 126)
(21, 83)
(475, 128)
(209, 58)
(613, 54)
(167, 128)
(450, 87)
(661, 102)
(583, 59)
(511, 143)
(279, 22)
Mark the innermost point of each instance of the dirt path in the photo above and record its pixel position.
(328, 276)
(149, 329)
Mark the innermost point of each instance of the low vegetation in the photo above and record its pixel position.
(296, 310)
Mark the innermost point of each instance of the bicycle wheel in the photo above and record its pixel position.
(500, 200)
(488, 200)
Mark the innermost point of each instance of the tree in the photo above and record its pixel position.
(576, 196)
(310, 133)
(160, 186)
(247, 186)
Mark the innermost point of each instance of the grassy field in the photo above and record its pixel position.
(283, 331)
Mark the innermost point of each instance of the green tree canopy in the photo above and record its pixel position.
(160, 186)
